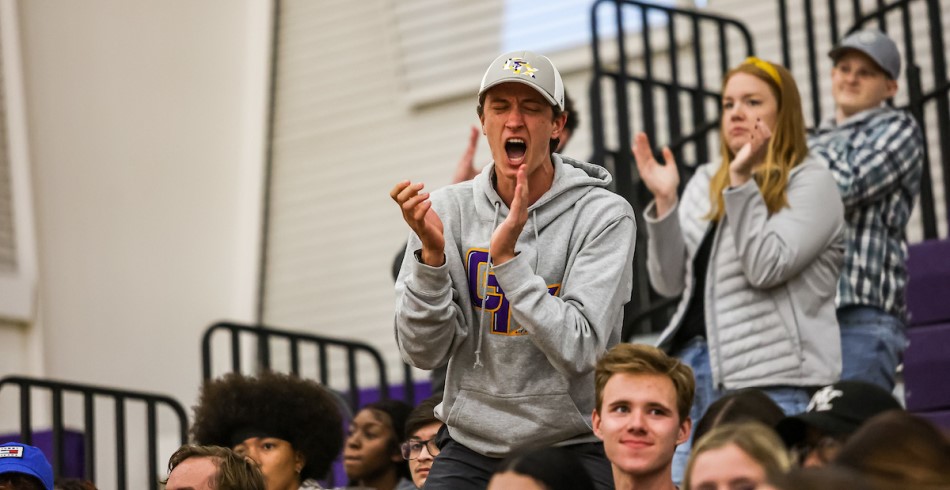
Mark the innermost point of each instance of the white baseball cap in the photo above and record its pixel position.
(531, 69)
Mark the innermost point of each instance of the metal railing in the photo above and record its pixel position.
(120, 400)
(264, 339)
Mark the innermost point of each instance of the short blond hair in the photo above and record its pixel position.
(235, 472)
(645, 359)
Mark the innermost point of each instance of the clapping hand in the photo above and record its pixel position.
(417, 211)
(504, 238)
(661, 180)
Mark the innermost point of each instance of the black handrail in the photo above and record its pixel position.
(324, 345)
(89, 393)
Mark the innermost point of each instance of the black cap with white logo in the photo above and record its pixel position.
(837, 410)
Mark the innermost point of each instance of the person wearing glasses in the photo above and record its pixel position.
(420, 448)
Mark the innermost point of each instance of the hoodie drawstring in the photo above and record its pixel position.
(537, 240)
(481, 316)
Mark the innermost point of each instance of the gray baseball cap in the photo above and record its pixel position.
(531, 69)
(876, 45)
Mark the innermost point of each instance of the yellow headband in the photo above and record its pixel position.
(764, 66)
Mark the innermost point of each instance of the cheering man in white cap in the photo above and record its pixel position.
(516, 280)
(875, 153)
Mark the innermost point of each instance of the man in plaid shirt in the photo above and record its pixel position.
(876, 154)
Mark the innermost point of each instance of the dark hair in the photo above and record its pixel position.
(234, 472)
(398, 412)
(573, 118)
(741, 406)
(73, 484)
(900, 449)
(20, 481)
(554, 467)
(422, 415)
(302, 412)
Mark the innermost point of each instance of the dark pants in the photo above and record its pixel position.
(459, 468)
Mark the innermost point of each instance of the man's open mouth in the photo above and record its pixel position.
(515, 148)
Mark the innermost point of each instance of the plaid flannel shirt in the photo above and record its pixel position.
(876, 157)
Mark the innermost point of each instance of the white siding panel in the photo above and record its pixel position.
(344, 136)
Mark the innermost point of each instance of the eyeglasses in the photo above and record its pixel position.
(412, 449)
(824, 449)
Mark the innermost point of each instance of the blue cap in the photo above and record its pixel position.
(21, 458)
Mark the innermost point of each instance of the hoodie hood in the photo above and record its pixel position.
(572, 180)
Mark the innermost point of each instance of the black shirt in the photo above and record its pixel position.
(693, 323)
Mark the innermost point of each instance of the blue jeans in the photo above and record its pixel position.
(872, 343)
(695, 354)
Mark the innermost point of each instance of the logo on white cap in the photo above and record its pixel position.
(821, 401)
(519, 66)
(11, 451)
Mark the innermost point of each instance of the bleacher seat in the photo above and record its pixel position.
(927, 360)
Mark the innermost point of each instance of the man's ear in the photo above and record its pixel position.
(559, 122)
(299, 461)
(891, 89)
(686, 428)
(595, 421)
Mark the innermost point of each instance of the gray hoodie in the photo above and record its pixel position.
(521, 369)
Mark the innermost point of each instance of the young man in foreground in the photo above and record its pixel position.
(642, 414)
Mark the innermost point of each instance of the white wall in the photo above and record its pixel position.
(146, 124)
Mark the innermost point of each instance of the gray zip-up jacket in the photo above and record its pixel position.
(771, 282)
(521, 344)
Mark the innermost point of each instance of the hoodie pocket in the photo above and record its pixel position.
(513, 421)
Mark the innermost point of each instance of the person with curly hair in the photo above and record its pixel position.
(290, 426)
